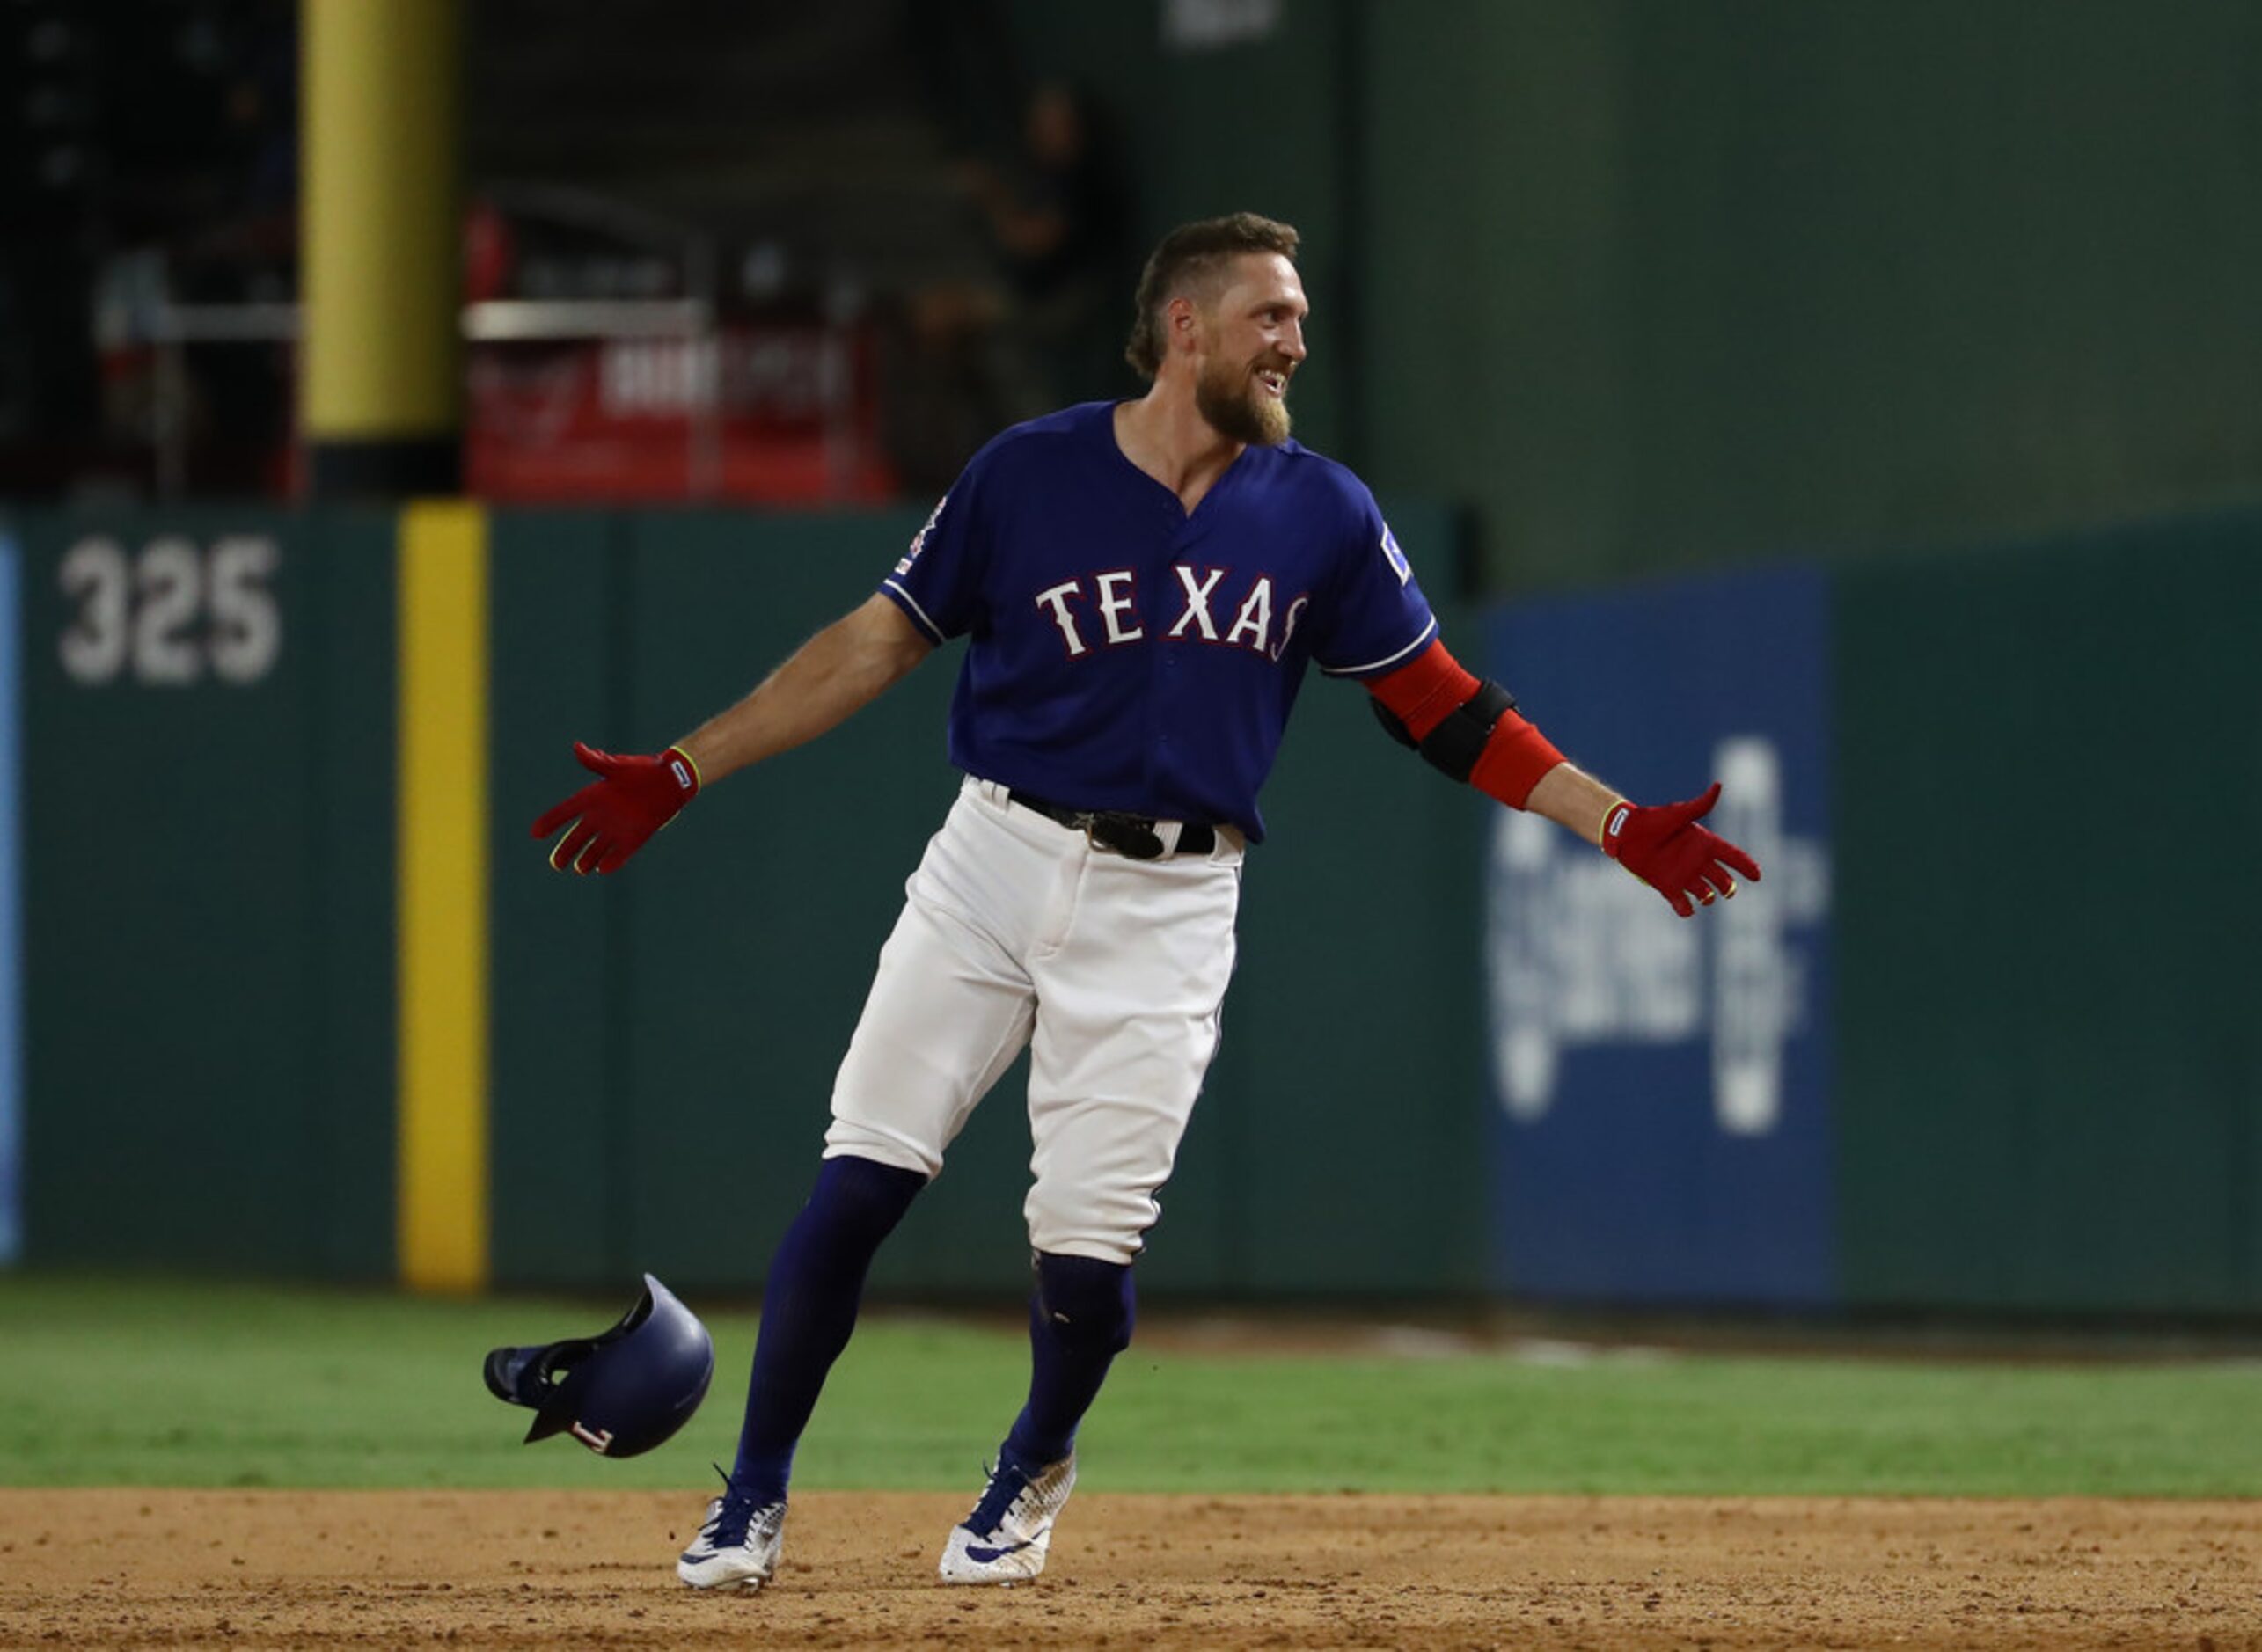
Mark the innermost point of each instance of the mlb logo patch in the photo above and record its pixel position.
(918, 539)
(1396, 557)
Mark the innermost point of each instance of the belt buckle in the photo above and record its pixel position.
(1132, 836)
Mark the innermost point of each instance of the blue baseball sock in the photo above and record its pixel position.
(809, 1309)
(1079, 1318)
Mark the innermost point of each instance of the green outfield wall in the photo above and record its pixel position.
(207, 915)
(2050, 1060)
(2044, 1081)
(1656, 287)
(249, 1044)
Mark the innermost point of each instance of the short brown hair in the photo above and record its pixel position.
(1195, 255)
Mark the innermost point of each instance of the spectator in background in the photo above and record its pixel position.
(1059, 218)
(971, 355)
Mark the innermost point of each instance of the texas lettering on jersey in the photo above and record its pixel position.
(1125, 652)
(1110, 604)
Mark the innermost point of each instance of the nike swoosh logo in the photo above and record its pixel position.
(981, 1557)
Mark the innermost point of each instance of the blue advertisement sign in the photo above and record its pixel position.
(1662, 1085)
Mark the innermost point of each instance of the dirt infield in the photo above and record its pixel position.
(515, 1568)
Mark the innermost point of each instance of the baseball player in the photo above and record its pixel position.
(1141, 585)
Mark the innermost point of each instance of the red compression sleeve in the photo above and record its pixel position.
(1429, 688)
(1513, 761)
(1423, 691)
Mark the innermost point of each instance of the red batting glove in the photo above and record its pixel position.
(632, 798)
(1666, 849)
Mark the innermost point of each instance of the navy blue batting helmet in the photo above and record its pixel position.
(620, 1392)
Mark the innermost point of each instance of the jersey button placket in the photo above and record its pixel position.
(1163, 707)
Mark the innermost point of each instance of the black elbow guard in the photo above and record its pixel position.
(1393, 724)
(1454, 745)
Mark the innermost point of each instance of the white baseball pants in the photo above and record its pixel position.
(1016, 929)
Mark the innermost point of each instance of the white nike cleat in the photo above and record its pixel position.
(737, 1545)
(1005, 1539)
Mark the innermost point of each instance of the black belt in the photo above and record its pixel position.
(1131, 836)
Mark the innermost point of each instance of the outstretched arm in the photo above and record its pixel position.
(835, 674)
(1470, 730)
(841, 669)
(1574, 800)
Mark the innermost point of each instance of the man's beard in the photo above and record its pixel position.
(1238, 407)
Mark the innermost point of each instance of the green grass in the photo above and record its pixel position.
(118, 1383)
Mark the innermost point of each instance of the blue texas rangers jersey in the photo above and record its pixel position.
(1125, 654)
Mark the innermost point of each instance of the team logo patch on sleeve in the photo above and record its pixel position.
(918, 539)
(1391, 554)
